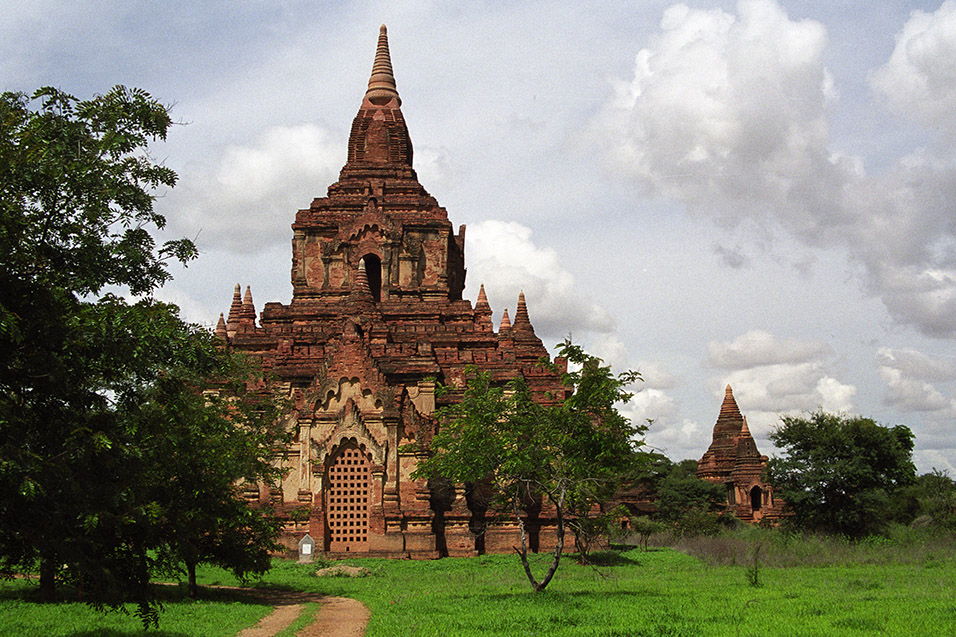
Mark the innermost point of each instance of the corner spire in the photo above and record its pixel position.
(745, 430)
(361, 290)
(482, 305)
(505, 322)
(221, 327)
(381, 85)
(248, 307)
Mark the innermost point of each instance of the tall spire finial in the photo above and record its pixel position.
(522, 321)
(381, 85)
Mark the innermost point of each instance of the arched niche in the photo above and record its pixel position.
(373, 271)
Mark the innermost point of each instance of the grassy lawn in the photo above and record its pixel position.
(660, 592)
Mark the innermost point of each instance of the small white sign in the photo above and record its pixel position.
(306, 549)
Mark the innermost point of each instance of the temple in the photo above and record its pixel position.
(733, 460)
(376, 321)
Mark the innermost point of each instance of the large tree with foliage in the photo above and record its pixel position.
(101, 410)
(838, 473)
(573, 455)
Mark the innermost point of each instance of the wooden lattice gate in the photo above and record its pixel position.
(347, 500)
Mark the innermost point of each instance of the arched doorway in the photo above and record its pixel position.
(756, 498)
(347, 499)
(373, 271)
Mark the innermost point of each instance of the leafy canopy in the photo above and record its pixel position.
(574, 452)
(838, 473)
(112, 460)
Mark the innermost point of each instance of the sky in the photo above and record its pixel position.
(758, 193)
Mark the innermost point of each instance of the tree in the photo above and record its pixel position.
(573, 455)
(838, 472)
(204, 424)
(687, 503)
(930, 500)
(90, 387)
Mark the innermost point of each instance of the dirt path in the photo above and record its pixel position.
(337, 617)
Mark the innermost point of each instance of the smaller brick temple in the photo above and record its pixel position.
(734, 461)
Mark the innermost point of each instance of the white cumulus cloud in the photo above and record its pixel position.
(502, 256)
(729, 114)
(758, 347)
(235, 200)
(920, 77)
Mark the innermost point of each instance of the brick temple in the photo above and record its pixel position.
(376, 319)
(733, 460)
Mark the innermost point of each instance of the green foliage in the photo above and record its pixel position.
(76, 190)
(644, 527)
(929, 501)
(688, 504)
(110, 454)
(574, 455)
(839, 473)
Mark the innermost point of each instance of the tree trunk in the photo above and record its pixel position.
(47, 580)
(558, 547)
(193, 589)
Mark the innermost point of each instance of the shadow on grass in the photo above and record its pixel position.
(604, 558)
(573, 598)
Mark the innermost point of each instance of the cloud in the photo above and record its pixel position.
(920, 77)
(729, 115)
(724, 108)
(233, 201)
(757, 347)
(917, 365)
(774, 376)
(787, 388)
(910, 376)
(667, 433)
(502, 256)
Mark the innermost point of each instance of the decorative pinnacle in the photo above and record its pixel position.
(745, 430)
(482, 304)
(505, 322)
(381, 85)
(221, 327)
(522, 320)
(248, 311)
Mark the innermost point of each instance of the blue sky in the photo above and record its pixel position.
(758, 193)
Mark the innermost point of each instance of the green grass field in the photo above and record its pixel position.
(867, 590)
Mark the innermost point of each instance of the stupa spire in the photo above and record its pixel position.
(381, 85)
(235, 311)
(379, 138)
(522, 320)
(730, 421)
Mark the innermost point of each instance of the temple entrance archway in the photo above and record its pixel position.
(347, 499)
(756, 498)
